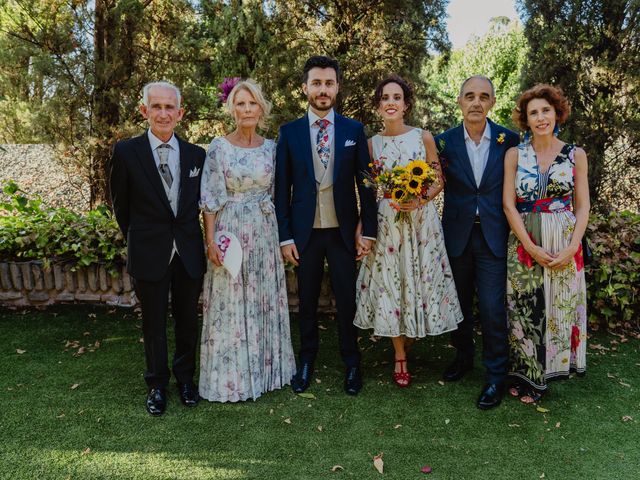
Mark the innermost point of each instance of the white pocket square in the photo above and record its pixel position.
(194, 172)
(349, 143)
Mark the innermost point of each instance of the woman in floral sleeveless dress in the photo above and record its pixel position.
(546, 200)
(405, 289)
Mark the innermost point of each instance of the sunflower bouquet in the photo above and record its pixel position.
(401, 183)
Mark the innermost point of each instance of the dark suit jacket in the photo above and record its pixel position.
(462, 196)
(296, 188)
(144, 214)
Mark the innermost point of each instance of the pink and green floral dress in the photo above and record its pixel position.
(246, 341)
(546, 308)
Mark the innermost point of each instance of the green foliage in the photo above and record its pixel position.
(271, 40)
(499, 55)
(613, 279)
(590, 48)
(31, 231)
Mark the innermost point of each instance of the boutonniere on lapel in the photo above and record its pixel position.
(500, 138)
(194, 172)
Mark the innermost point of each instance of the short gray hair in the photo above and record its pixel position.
(481, 77)
(149, 86)
(255, 90)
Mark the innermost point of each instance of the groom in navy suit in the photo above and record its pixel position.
(476, 231)
(319, 159)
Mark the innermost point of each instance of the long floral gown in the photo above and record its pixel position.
(405, 286)
(246, 342)
(546, 308)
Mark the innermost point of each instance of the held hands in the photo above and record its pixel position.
(363, 245)
(214, 254)
(290, 254)
(563, 258)
(408, 206)
(541, 256)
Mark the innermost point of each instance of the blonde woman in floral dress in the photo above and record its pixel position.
(546, 200)
(246, 342)
(405, 286)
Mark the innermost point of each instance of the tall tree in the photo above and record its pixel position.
(591, 48)
(500, 55)
(86, 62)
(270, 40)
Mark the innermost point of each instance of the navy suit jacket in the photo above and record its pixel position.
(144, 213)
(296, 188)
(462, 196)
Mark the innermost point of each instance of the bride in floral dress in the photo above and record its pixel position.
(405, 288)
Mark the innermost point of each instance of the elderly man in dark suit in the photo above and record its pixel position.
(155, 188)
(475, 231)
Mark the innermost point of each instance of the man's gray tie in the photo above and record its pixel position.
(165, 171)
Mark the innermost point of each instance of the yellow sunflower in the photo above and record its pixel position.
(414, 186)
(398, 194)
(418, 169)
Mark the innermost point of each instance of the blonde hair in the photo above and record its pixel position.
(255, 90)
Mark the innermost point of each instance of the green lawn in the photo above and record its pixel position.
(82, 416)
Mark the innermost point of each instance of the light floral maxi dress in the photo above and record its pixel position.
(405, 286)
(246, 342)
(546, 308)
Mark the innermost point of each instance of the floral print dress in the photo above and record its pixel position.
(246, 342)
(546, 308)
(405, 286)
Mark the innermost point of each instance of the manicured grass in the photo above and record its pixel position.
(100, 430)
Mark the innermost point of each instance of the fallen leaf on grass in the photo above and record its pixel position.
(542, 410)
(446, 421)
(514, 425)
(627, 418)
(378, 463)
(426, 469)
(74, 386)
(597, 346)
(271, 411)
(322, 327)
(610, 375)
(86, 451)
(397, 426)
(319, 428)
(307, 395)
(318, 380)
(19, 351)
(337, 468)
(440, 382)
(624, 384)
(287, 421)
(60, 416)
(558, 425)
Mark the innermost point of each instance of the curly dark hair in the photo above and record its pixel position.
(551, 94)
(319, 61)
(407, 91)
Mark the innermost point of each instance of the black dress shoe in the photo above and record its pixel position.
(302, 379)
(457, 369)
(156, 401)
(353, 381)
(491, 396)
(188, 394)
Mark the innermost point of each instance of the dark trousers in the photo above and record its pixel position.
(478, 269)
(154, 300)
(327, 243)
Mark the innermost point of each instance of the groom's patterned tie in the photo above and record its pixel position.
(322, 141)
(163, 155)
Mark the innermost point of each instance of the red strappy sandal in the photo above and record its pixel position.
(402, 378)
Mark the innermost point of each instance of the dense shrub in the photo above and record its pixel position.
(613, 278)
(31, 231)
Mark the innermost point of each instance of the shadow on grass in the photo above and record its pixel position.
(66, 415)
